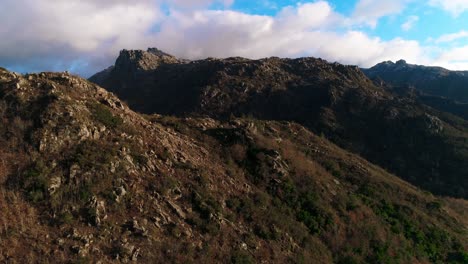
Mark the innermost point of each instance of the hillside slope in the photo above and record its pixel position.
(434, 81)
(417, 142)
(85, 179)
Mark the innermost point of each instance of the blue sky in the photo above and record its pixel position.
(84, 36)
(432, 20)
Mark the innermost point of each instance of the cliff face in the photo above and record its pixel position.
(137, 60)
(132, 63)
(413, 138)
(84, 178)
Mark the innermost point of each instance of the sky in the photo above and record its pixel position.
(85, 36)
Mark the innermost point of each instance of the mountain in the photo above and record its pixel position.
(85, 179)
(434, 86)
(435, 81)
(418, 142)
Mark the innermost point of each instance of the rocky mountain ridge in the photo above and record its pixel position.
(85, 179)
(434, 81)
(413, 139)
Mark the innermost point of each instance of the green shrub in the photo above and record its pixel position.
(94, 154)
(207, 207)
(35, 182)
(103, 115)
(311, 215)
(332, 167)
(436, 205)
(240, 257)
(427, 242)
(66, 218)
(457, 257)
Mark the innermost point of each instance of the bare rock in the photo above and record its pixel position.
(177, 209)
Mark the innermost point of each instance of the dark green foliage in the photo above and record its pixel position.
(241, 257)
(333, 168)
(35, 181)
(459, 257)
(352, 203)
(66, 218)
(380, 253)
(347, 260)
(430, 242)
(227, 136)
(207, 208)
(94, 154)
(312, 215)
(436, 205)
(103, 115)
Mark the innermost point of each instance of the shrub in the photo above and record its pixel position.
(94, 154)
(333, 167)
(34, 182)
(311, 215)
(458, 257)
(240, 257)
(103, 115)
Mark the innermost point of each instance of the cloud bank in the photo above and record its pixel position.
(84, 36)
(455, 7)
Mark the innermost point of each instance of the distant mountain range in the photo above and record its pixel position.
(412, 132)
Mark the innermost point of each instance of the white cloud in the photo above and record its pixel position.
(303, 30)
(452, 37)
(459, 54)
(455, 7)
(455, 58)
(43, 31)
(86, 35)
(370, 11)
(410, 22)
(196, 3)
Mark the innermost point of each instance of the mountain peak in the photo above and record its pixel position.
(158, 52)
(137, 60)
(133, 62)
(401, 62)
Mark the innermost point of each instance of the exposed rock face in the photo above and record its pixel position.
(133, 63)
(97, 211)
(382, 124)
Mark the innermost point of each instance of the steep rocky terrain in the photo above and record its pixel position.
(435, 86)
(85, 179)
(419, 142)
(434, 81)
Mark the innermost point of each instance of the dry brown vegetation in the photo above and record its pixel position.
(85, 179)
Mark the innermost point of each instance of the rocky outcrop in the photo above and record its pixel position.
(133, 63)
